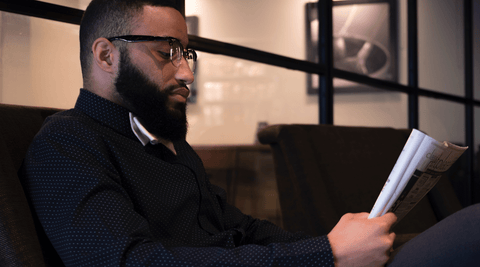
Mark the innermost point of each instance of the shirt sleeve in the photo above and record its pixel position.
(256, 231)
(90, 219)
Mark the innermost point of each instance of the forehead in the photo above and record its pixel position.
(161, 21)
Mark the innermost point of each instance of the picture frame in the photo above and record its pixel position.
(364, 42)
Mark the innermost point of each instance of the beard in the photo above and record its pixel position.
(149, 102)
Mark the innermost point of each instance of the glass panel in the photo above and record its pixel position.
(445, 121)
(283, 27)
(402, 43)
(39, 63)
(476, 49)
(441, 46)
(237, 97)
(276, 26)
(476, 161)
(358, 105)
(442, 120)
(78, 4)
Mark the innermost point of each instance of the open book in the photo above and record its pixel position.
(418, 168)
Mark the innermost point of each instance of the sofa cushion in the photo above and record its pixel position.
(20, 245)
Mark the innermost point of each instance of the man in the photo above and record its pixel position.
(114, 182)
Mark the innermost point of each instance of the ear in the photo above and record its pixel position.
(105, 55)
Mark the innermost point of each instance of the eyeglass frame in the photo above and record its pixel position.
(147, 38)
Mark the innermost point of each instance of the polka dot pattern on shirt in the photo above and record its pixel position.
(104, 199)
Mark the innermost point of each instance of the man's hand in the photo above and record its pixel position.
(359, 241)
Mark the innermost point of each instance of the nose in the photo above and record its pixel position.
(184, 73)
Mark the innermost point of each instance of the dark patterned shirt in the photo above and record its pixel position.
(105, 199)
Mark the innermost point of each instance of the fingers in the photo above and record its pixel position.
(390, 217)
(387, 240)
(392, 236)
(389, 243)
(352, 216)
(362, 215)
(391, 240)
(359, 241)
(386, 221)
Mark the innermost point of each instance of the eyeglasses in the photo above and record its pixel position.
(176, 48)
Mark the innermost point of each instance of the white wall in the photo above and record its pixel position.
(40, 62)
(55, 66)
(15, 59)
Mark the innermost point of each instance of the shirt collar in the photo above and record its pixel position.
(145, 136)
(117, 118)
(140, 132)
(105, 112)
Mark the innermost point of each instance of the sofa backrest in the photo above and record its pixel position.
(18, 237)
(325, 171)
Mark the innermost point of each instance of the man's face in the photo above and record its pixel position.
(159, 114)
(148, 83)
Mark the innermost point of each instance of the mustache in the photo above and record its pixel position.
(170, 89)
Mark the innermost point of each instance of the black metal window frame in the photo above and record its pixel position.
(325, 67)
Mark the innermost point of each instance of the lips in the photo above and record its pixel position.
(183, 91)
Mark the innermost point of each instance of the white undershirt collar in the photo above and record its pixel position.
(145, 137)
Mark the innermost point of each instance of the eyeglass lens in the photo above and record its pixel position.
(176, 54)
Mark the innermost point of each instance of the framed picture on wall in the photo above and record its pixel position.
(364, 42)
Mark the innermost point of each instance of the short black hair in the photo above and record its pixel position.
(108, 18)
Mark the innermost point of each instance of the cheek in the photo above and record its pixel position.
(160, 77)
(158, 70)
(165, 68)
(161, 73)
